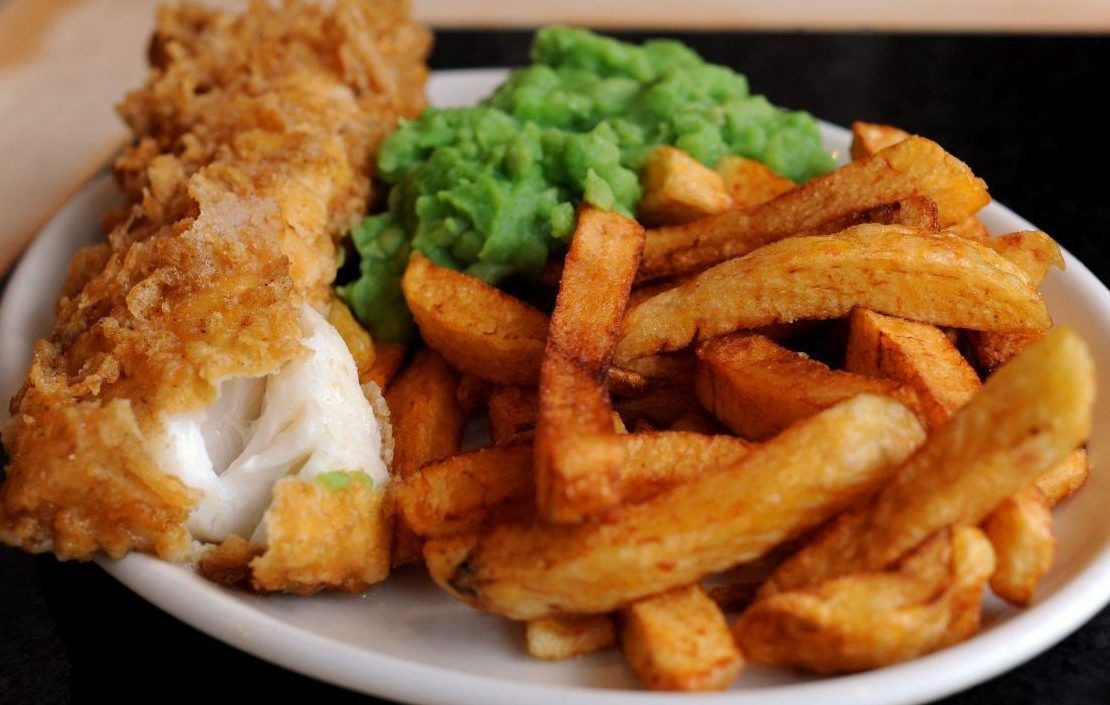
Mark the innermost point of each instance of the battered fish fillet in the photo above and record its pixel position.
(191, 392)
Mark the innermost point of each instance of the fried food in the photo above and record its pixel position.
(461, 493)
(1028, 417)
(757, 388)
(1065, 479)
(185, 373)
(678, 188)
(817, 468)
(512, 414)
(567, 636)
(869, 620)
(749, 182)
(915, 167)
(576, 459)
(427, 425)
(679, 640)
(918, 355)
(890, 269)
(478, 328)
(1020, 529)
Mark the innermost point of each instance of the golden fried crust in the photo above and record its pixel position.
(357, 521)
(254, 136)
(79, 481)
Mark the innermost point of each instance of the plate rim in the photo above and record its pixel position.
(226, 616)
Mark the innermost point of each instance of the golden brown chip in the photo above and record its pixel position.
(1028, 417)
(567, 636)
(891, 269)
(749, 182)
(576, 460)
(478, 328)
(679, 640)
(757, 388)
(1065, 479)
(512, 414)
(721, 518)
(678, 188)
(915, 354)
(870, 620)
(915, 167)
(1020, 529)
(869, 138)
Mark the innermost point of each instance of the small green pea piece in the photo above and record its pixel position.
(491, 190)
(339, 479)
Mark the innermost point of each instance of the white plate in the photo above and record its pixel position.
(407, 641)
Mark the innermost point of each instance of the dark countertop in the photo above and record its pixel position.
(1028, 113)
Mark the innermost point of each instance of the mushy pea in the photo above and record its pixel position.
(492, 190)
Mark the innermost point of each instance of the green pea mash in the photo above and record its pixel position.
(492, 190)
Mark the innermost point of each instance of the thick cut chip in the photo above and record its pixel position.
(749, 182)
(918, 355)
(1065, 479)
(724, 517)
(354, 335)
(869, 138)
(870, 620)
(679, 188)
(915, 167)
(478, 328)
(427, 425)
(388, 359)
(566, 636)
(1020, 529)
(462, 492)
(512, 414)
(1036, 253)
(576, 459)
(679, 640)
(1028, 417)
(992, 349)
(912, 212)
(757, 387)
(890, 269)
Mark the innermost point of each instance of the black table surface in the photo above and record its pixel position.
(1028, 113)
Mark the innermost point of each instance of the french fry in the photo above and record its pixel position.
(460, 493)
(1020, 529)
(566, 636)
(993, 349)
(1065, 479)
(427, 425)
(575, 456)
(1028, 417)
(679, 188)
(890, 269)
(473, 394)
(479, 329)
(1031, 250)
(679, 640)
(696, 420)
(757, 388)
(512, 414)
(660, 405)
(667, 370)
(917, 355)
(915, 167)
(388, 359)
(721, 518)
(869, 138)
(870, 620)
(1035, 253)
(749, 182)
(912, 212)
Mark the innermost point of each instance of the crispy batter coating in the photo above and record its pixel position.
(253, 141)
